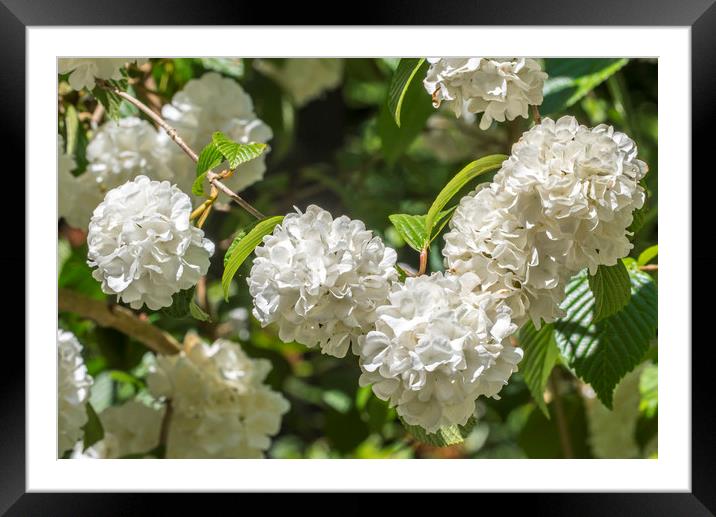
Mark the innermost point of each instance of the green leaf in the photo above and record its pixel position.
(647, 255)
(180, 304)
(93, 429)
(237, 239)
(541, 355)
(72, 123)
(415, 110)
(197, 188)
(233, 67)
(611, 289)
(209, 158)
(236, 153)
(471, 171)
(404, 74)
(244, 248)
(197, 312)
(570, 79)
(109, 100)
(411, 228)
(602, 352)
(444, 437)
(649, 391)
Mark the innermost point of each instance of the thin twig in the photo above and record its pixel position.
(119, 318)
(423, 261)
(535, 114)
(561, 419)
(649, 267)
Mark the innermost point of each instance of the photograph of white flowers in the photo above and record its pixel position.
(416, 257)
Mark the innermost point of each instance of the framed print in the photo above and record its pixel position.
(270, 248)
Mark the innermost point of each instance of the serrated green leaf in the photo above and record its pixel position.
(602, 352)
(411, 228)
(647, 255)
(197, 188)
(611, 288)
(236, 153)
(197, 312)
(209, 158)
(541, 353)
(93, 429)
(244, 248)
(444, 437)
(415, 110)
(570, 79)
(404, 74)
(109, 100)
(471, 171)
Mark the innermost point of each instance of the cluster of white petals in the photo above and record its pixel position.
(76, 195)
(132, 428)
(563, 201)
(321, 279)
(437, 346)
(305, 79)
(221, 407)
(73, 390)
(499, 89)
(83, 71)
(122, 150)
(143, 245)
(209, 104)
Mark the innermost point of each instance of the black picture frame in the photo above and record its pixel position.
(700, 15)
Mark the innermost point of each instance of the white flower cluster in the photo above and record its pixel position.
(305, 79)
(437, 347)
(209, 104)
(500, 90)
(321, 279)
(132, 428)
(221, 407)
(76, 195)
(143, 245)
(85, 70)
(563, 201)
(73, 389)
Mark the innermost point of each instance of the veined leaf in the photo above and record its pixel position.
(412, 228)
(244, 248)
(649, 391)
(468, 173)
(404, 74)
(611, 289)
(197, 188)
(209, 158)
(236, 153)
(444, 437)
(541, 354)
(602, 352)
(197, 312)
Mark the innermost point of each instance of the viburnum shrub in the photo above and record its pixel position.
(533, 270)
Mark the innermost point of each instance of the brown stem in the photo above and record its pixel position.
(535, 114)
(119, 318)
(560, 417)
(649, 267)
(423, 261)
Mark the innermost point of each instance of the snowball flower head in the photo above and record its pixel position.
(321, 279)
(72, 391)
(436, 348)
(209, 104)
(124, 149)
(77, 195)
(305, 79)
(143, 246)
(499, 89)
(85, 70)
(563, 201)
(221, 406)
